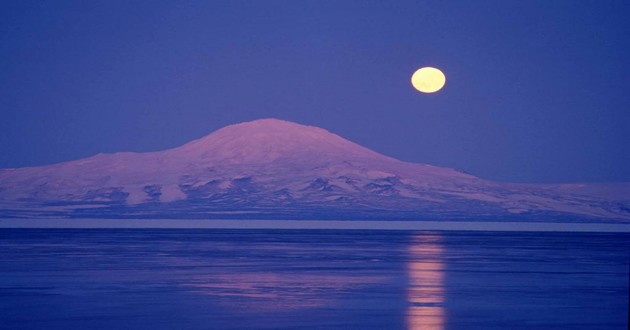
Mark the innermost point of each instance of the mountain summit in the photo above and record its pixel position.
(271, 168)
(268, 140)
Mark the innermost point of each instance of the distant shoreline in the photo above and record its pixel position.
(314, 225)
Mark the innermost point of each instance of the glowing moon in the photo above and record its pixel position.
(428, 80)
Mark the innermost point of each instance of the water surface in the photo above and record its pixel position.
(299, 279)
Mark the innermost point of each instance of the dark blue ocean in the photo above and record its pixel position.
(305, 279)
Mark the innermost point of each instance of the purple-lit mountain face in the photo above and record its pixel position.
(276, 169)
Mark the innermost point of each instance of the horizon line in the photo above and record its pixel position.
(251, 224)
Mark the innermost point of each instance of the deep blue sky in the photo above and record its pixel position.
(537, 91)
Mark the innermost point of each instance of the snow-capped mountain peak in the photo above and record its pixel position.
(279, 169)
(267, 140)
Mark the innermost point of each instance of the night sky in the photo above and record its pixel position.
(536, 91)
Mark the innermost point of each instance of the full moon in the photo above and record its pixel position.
(428, 80)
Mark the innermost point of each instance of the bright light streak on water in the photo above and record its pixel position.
(425, 292)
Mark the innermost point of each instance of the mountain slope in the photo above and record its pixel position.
(275, 168)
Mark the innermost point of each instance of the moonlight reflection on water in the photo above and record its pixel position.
(425, 293)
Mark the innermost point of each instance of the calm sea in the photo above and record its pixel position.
(304, 279)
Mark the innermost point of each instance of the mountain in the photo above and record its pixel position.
(271, 168)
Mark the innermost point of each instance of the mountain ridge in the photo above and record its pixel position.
(271, 167)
